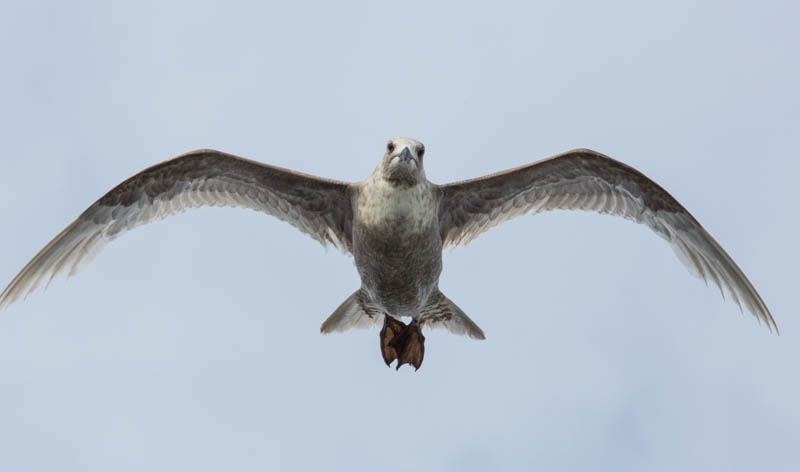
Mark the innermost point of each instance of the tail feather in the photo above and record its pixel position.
(443, 313)
(349, 315)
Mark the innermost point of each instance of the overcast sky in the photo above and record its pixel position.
(193, 343)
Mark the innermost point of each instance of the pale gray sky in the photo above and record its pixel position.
(193, 343)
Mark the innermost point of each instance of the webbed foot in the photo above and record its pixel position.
(401, 342)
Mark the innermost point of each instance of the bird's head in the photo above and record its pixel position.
(402, 163)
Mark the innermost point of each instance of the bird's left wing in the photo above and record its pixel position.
(318, 207)
(586, 180)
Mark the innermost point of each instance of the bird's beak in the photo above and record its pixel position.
(405, 156)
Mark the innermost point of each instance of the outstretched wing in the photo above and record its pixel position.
(586, 180)
(318, 207)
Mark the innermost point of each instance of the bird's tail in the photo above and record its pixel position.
(441, 312)
(349, 315)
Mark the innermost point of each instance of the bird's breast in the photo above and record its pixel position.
(392, 208)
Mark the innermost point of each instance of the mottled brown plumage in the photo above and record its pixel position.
(395, 223)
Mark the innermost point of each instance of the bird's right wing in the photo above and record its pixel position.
(318, 207)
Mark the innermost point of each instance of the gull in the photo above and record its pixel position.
(395, 223)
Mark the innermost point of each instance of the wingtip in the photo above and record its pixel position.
(771, 323)
(8, 296)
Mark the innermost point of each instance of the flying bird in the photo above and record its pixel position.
(395, 223)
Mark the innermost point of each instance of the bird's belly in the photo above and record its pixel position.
(399, 269)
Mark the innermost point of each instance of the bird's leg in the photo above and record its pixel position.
(402, 342)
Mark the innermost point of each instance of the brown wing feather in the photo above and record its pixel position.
(587, 180)
(320, 208)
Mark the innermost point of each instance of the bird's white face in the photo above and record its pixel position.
(402, 163)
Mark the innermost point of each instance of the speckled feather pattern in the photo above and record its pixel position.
(587, 180)
(395, 223)
(396, 245)
(317, 207)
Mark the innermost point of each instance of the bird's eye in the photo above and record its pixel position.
(390, 146)
(420, 152)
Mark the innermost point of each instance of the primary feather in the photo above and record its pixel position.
(316, 206)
